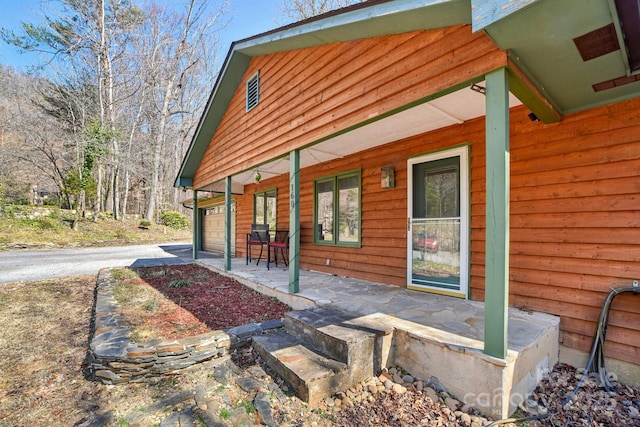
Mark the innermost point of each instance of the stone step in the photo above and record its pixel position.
(332, 331)
(323, 351)
(312, 375)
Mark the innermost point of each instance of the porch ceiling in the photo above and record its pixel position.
(575, 52)
(454, 108)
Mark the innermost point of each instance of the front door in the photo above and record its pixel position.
(438, 238)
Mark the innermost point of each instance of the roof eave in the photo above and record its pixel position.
(363, 20)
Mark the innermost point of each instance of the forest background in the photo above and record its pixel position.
(101, 124)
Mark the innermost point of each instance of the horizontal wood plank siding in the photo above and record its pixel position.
(312, 93)
(575, 217)
(575, 222)
(575, 184)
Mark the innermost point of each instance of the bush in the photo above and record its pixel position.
(45, 223)
(145, 223)
(55, 214)
(51, 201)
(8, 211)
(179, 283)
(174, 219)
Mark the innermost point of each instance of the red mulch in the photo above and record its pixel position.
(211, 301)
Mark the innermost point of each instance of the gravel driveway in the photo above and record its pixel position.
(30, 265)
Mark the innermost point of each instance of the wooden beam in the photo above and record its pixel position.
(497, 215)
(486, 12)
(294, 222)
(522, 87)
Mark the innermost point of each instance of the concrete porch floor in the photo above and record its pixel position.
(442, 336)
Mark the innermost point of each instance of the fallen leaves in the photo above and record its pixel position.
(589, 405)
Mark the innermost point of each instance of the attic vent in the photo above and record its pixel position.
(620, 81)
(253, 90)
(597, 42)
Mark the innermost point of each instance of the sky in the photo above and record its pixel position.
(247, 18)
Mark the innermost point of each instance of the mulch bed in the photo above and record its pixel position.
(194, 300)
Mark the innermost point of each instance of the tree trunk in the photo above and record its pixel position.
(157, 152)
(98, 200)
(125, 197)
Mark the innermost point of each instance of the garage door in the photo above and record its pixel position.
(213, 229)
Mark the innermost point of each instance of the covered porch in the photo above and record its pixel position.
(488, 355)
(399, 107)
(433, 335)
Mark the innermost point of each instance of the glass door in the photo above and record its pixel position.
(438, 223)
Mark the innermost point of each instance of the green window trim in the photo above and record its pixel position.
(338, 197)
(265, 207)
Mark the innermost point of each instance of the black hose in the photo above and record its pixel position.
(595, 355)
(596, 361)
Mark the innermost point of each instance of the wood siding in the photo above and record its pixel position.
(309, 94)
(575, 185)
(575, 217)
(575, 223)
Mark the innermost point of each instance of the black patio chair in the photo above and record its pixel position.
(259, 236)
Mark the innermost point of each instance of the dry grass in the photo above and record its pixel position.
(45, 332)
(56, 231)
(43, 345)
(150, 315)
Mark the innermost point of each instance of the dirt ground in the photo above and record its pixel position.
(44, 344)
(44, 382)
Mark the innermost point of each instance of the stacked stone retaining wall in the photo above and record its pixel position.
(115, 359)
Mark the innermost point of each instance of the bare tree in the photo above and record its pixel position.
(33, 147)
(143, 72)
(172, 48)
(303, 9)
(88, 36)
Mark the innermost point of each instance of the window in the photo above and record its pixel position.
(265, 208)
(337, 209)
(253, 91)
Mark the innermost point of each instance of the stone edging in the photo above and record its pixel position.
(115, 359)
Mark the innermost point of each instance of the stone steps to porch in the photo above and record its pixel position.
(310, 373)
(320, 353)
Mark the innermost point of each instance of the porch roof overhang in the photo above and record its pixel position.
(557, 66)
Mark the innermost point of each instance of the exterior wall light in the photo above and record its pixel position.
(387, 177)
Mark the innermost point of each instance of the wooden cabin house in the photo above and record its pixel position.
(486, 150)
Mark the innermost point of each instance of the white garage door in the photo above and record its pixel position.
(213, 229)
